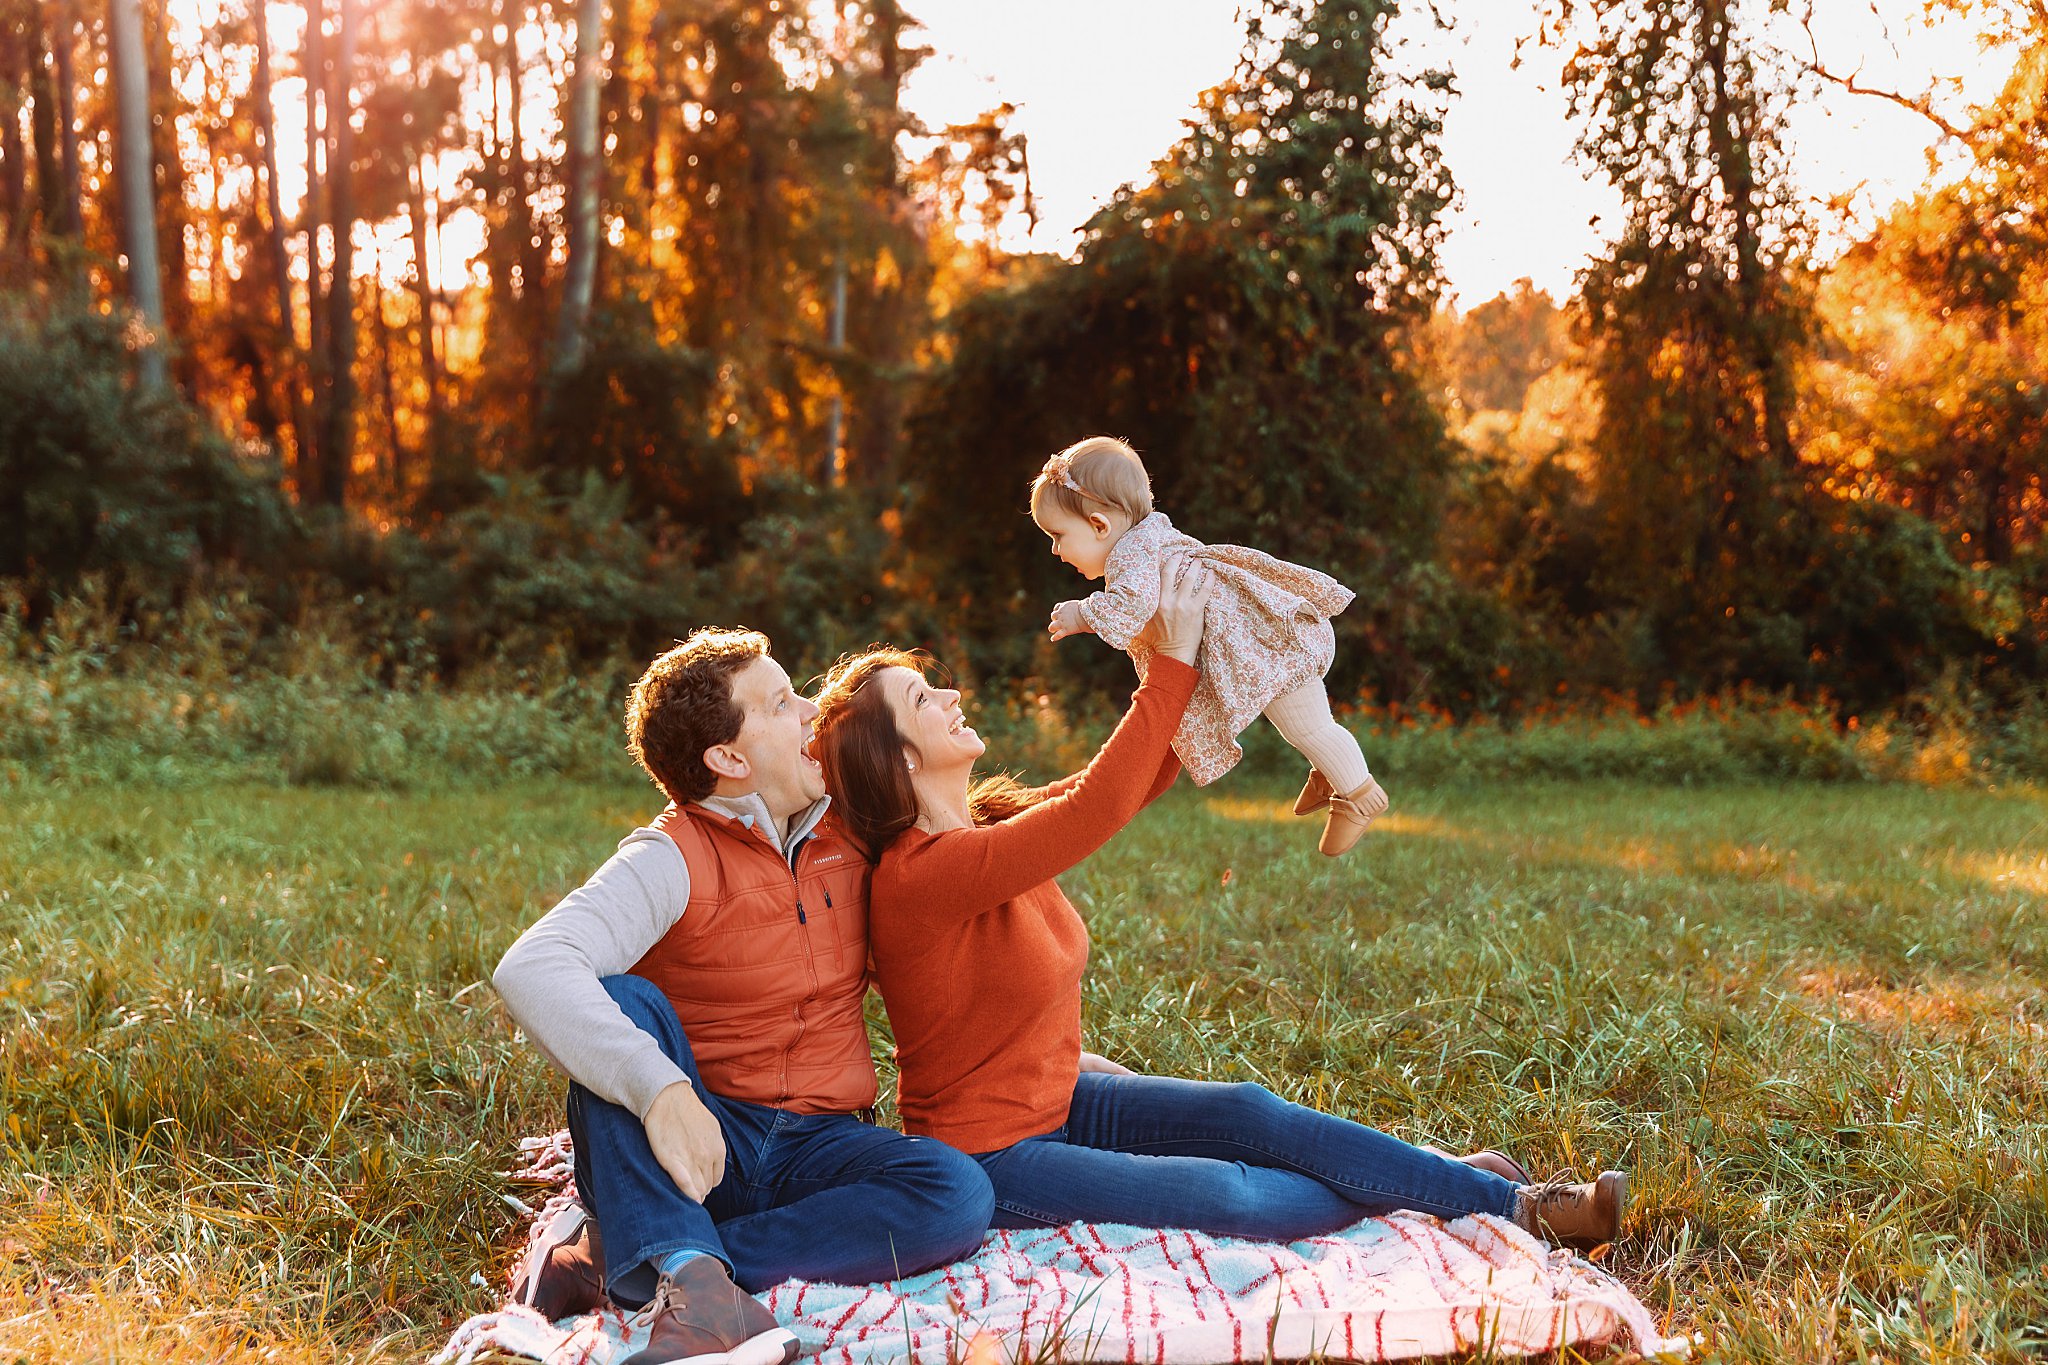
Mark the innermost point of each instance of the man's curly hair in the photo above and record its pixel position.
(683, 705)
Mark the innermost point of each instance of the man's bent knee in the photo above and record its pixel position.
(958, 1203)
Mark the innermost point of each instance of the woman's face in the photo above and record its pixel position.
(930, 719)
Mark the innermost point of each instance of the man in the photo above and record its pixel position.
(703, 992)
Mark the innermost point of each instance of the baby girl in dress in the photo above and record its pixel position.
(1266, 640)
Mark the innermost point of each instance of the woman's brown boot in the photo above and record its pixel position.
(1576, 1216)
(1349, 815)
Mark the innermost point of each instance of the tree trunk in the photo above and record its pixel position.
(885, 312)
(338, 442)
(1729, 140)
(43, 126)
(138, 199)
(531, 255)
(430, 362)
(64, 43)
(313, 66)
(14, 201)
(580, 273)
(388, 389)
(312, 216)
(170, 204)
(280, 263)
(273, 202)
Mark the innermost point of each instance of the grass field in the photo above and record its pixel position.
(257, 1090)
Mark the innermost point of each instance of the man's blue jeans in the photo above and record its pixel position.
(1235, 1160)
(819, 1196)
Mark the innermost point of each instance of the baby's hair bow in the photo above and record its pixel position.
(1061, 466)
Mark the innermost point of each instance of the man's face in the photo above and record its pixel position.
(772, 740)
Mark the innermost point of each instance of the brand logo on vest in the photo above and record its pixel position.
(828, 858)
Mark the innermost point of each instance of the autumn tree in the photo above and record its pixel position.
(1241, 319)
(1491, 354)
(1934, 393)
(1693, 320)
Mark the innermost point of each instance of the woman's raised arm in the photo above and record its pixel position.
(967, 871)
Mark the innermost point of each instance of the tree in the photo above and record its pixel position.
(410, 110)
(175, 229)
(1494, 352)
(585, 179)
(1933, 394)
(1692, 323)
(131, 82)
(1242, 319)
(337, 437)
(14, 200)
(70, 220)
(285, 337)
(313, 69)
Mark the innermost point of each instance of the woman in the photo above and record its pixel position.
(979, 958)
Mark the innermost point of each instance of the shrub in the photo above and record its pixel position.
(97, 475)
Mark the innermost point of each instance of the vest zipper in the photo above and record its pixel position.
(810, 961)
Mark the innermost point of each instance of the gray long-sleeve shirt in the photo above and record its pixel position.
(549, 977)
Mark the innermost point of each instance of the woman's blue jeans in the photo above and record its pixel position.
(1234, 1160)
(819, 1196)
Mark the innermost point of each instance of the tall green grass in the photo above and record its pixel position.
(257, 1092)
(211, 692)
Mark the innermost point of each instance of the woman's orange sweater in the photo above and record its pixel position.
(979, 956)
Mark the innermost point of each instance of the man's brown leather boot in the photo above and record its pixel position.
(699, 1314)
(568, 1280)
(1576, 1216)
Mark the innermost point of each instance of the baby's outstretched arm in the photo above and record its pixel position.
(1067, 620)
(1121, 610)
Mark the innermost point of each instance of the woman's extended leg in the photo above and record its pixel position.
(1229, 1159)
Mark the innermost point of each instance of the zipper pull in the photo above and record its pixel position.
(828, 900)
(800, 913)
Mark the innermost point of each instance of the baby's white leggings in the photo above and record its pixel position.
(1303, 719)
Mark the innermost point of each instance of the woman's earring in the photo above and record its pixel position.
(909, 766)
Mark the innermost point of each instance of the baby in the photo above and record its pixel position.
(1266, 640)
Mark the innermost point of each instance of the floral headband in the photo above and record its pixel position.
(1061, 467)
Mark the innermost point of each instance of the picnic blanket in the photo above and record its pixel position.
(1388, 1288)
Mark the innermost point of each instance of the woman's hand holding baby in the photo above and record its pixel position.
(1185, 587)
(1067, 620)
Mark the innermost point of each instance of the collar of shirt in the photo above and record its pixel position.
(751, 811)
(1140, 544)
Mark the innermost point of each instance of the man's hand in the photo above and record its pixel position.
(1102, 1065)
(686, 1140)
(1067, 620)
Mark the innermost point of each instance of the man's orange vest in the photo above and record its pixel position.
(767, 968)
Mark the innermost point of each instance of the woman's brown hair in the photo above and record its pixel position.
(865, 757)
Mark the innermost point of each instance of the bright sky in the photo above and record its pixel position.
(1102, 86)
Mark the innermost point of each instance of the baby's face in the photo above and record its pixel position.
(1082, 542)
